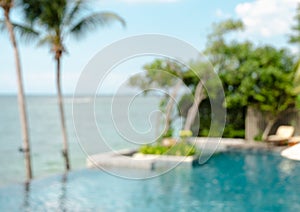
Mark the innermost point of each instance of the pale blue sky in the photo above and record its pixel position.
(267, 22)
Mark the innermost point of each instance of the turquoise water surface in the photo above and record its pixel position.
(235, 181)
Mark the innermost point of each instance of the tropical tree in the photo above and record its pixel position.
(199, 78)
(259, 77)
(225, 56)
(6, 6)
(218, 49)
(266, 83)
(295, 37)
(56, 20)
(161, 74)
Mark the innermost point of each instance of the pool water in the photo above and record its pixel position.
(235, 181)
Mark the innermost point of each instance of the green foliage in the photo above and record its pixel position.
(184, 104)
(223, 28)
(185, 133)
(295, 38)
(258, 137)
(55, 20)
(231, 132)
(154, 150)
(217, 47)
(22, 30)
(179, 149)
(169, 133)
(182, 149)
(297, 79)
(161, 74)
(158, 74)
(261, 77)
(265, 81)
(202, 71)
(235, 119)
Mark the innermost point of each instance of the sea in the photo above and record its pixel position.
(115, 118)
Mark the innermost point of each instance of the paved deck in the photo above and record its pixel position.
(131, 159)
(225, 144)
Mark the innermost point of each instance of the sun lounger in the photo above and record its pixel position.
(282, 136)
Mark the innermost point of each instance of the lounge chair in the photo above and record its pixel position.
(283, 134)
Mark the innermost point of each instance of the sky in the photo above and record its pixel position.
(266, 22)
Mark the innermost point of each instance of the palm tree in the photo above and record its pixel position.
(56, 20)
(7, 5)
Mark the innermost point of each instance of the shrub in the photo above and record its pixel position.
(179, 149)
(258, 137)
(185, 133)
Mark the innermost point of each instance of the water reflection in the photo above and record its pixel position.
(33, 195)
(26, 203)
(63, 195)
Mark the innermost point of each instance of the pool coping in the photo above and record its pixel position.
(129, 158)
(226, 144)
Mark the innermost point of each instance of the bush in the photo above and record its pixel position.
(179, 149)
(258, 137)
(231, 132)
(155, 149)
(169, 133)
(182, 149)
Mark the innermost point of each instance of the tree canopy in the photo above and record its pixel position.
(252, 76)
(257, 76)
(295, 37)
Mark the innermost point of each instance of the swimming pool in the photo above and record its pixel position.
(235, 181)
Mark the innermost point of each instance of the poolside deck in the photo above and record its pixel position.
(130, 159)
(225, 144)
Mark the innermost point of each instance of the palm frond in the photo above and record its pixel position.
(47, 40)
(77, 8)
(93, 21)
(54, 42)
(27, 33)
(32, 9)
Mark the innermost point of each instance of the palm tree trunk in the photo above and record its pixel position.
(199, 96)
(62, 116)
(21, 99)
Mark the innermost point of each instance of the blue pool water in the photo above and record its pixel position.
(235, 181)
